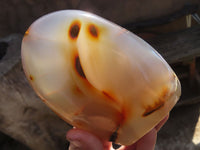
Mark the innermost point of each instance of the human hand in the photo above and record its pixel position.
(83, 140)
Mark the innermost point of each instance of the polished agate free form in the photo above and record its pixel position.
(97, 76)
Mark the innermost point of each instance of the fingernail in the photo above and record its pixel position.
(75, 145)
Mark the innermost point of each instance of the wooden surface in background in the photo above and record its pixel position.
(179, 46)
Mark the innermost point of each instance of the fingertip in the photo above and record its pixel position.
(83, 140)
(161, 123)
(148, 141)
(71, 134)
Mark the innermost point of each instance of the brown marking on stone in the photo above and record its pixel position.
(78, 70)
(159, 103)
(27, 32)
(93, 30)
(43, 99)
(74, 29)
(109, 96)
(150, 109)
(77, 90)
(124, 114)
(78, 67)
(31, 78)
(114, 136)
(164, 94)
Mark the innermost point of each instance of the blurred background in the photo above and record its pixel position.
(171, 26)
(17, 15)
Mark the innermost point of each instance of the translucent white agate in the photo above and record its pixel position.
(98, 76)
